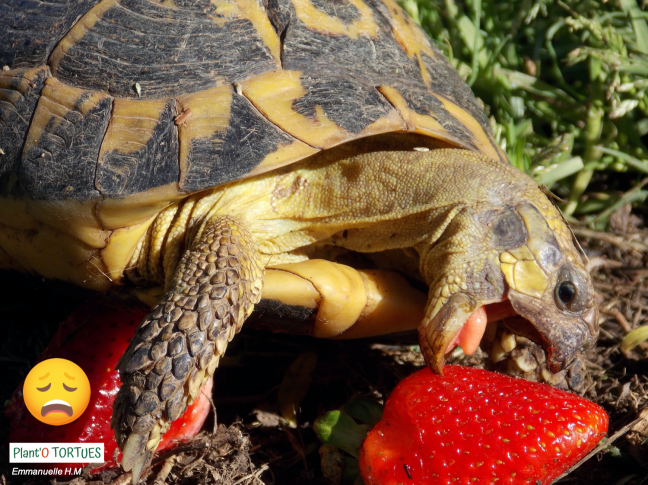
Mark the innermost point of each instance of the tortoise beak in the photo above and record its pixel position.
(561, 336)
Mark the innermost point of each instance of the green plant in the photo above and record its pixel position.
(564, 83)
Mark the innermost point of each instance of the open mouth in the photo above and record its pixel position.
(56, 406)
(470, 335)
(501, 313)
(515, 347)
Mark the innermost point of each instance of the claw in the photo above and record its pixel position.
(140, 463)
(135, 446)
(438, 333)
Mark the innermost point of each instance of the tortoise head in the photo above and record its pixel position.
(521, 251)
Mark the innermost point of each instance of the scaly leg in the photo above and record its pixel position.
(178, 345)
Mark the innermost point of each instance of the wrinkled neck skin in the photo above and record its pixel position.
(482, 230)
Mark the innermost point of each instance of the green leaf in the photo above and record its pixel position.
(640, 165)
(364, 410)
(638, 24)
(561, 171)
(634, 338)
(338, 429)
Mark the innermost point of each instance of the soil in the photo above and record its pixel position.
(253, 445)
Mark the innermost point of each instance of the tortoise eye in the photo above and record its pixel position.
(566, 292)
(570, 293)
(69, 389)
(46, 388)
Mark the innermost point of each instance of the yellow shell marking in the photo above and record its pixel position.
(12, 94)
(224, 8)
(79, 30)
(284, 155)
(424, 124)
(136, 208)
(72, 217)
(410, 37)
(131, 125)
(54, 254)
(255, 13)
(211, 111)
(485, 143)
(320, 21)
(56, 101)
(273, 94)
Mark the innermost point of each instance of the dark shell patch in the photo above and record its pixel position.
(140, 149)
(60, 156)
(19, 93)
(30, 29)
(226, 141)
(166, 51)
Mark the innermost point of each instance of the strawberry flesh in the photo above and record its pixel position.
(94, 337)
(474, 426)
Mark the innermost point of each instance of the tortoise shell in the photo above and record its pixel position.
(112, 110)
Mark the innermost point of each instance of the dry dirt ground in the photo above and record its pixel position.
(252, 446)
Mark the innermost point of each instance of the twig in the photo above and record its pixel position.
(211, 401)
(254, 475)
(195, 446)
(123, 479)
(611, 239)
(618, 316)
(600, 448)
(602, 262)
(623, 323)
(164, 471)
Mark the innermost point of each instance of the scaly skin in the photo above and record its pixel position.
(482, 231)
(178, 345)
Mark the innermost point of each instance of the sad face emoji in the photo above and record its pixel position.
(56, 391)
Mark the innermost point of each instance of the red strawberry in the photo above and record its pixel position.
(94, 337)
(474, 426)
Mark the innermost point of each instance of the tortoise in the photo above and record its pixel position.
(210, 156)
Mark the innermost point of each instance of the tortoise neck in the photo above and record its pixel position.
(366, 202)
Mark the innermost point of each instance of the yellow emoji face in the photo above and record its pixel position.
(56, 391)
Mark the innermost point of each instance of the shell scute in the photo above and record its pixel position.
(30, 29)
(167, 51)
(282, 80)
(140, 149)
(226, 138)
(321, 110)
(60, 155)
(19, 93)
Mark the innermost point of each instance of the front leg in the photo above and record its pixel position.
(178, 345)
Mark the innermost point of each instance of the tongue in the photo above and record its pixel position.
(471, 333)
